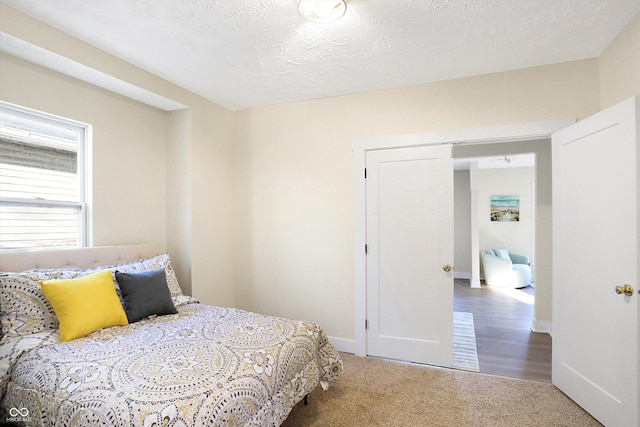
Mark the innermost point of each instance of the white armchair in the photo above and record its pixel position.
(506, 270)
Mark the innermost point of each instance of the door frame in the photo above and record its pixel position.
(484, 135)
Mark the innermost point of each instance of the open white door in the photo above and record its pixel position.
(410, 242)
(595, 205)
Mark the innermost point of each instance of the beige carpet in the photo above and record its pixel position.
(465, 351)
(374, 392)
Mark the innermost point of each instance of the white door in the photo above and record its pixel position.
(409, 227)
(595, 205)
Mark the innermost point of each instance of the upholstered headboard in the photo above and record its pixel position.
(75, 257)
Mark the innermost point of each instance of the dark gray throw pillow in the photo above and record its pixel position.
(145, 294)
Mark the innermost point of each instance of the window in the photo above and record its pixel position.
(42, 180)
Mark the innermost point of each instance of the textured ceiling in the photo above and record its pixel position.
(247, 53)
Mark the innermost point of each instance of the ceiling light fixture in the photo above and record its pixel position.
(322, 11)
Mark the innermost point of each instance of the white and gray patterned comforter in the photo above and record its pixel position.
(205, 366)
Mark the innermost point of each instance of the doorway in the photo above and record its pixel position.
(578, 360)
(502, 317)
(536, 238)
(477, 182)
(527, 138)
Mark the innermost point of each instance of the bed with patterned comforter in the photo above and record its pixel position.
(204, 366)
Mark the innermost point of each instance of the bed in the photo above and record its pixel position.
(190, 365)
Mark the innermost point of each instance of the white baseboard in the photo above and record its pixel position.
(461, 275)
(465, 275)
(543, 326)
(344, 345)
(349, 345)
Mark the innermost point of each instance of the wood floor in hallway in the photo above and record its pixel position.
(506, 344)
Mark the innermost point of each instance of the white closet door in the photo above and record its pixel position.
(410, 245)
(595, 204)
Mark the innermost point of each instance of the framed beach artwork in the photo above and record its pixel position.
(505, 208)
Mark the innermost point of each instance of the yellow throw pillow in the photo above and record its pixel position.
(84, 304)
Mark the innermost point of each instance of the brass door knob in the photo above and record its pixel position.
(446, 268)
(626, 289)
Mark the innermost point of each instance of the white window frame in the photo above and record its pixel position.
(83, 154)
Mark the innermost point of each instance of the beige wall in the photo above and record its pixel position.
(212, 234)
(619, 66)
(295, 169)
(294, 177)
(128, 150)
(158, 177)
(462, 224)
(179, 194)
(259, 204)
